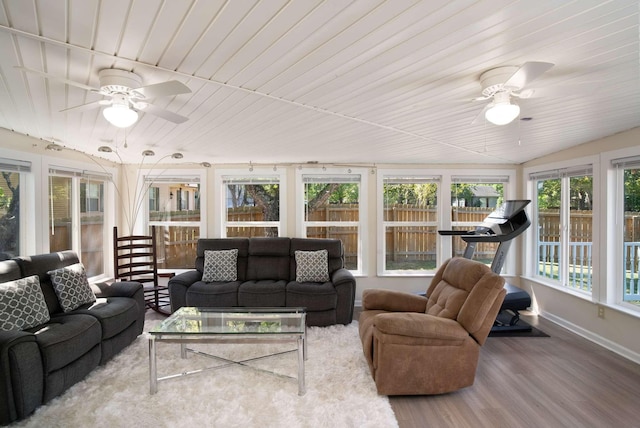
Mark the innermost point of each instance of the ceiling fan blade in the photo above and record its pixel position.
(165, 114)
(59, 79)
(561, 91)
(164, 89)
(527, 74)
(85, 107)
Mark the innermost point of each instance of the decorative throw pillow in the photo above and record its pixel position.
(220, 265)
(72, 287)
(22, 304)
(312, 266)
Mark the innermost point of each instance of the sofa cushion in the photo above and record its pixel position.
(66, 338)
(312, 266)
(72, 287)
(212, 294)
(262, 293)
(114, 313)
(220, 265)
(22, 304)
(314, 297)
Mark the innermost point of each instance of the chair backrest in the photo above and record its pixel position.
(135, 258)
(468, 292)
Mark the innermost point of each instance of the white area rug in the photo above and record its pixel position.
(340, 390)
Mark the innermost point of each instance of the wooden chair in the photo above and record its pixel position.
(135, 259)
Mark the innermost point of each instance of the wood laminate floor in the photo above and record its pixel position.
(558, 381)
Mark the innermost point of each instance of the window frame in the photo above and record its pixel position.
(383, 174)
(220, 200)
(614, 293)
(565, 171)
(444, 243)
(363, 198)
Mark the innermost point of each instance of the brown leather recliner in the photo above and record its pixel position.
(418, 345)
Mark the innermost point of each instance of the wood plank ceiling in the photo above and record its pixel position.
(335, 81)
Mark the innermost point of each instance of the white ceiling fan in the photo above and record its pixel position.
(125, 96)
(502, 84)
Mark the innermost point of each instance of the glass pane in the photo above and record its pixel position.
(410, 247)
(92, 226)
(253, 202)
(548, 193)
(331, 202)
(348, 236)
(580, 232)
(174, 202)
(410, 202)
(60, 232)
(176, 246)
(9, 215)
(631, 289)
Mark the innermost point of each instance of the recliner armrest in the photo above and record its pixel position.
(393, 301)
(187, 278)
(117, 289)
(418, 325)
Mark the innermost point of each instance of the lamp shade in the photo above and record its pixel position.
(502, 113)
(120, 115)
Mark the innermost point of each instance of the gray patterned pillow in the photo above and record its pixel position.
(72, 287)
(220, 265)
(22, 304)
(312, 266)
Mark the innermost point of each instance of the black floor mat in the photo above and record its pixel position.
(522, 329)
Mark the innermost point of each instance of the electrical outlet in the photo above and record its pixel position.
(600, 311)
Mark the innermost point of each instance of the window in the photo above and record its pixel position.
(628, 214)
(472, 200)
(177, 225)
(76, 201)
(331, 208)
(251, 205)
(564, 219)
(410, 223)
(12, 174)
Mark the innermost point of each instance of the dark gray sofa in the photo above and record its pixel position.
(266, 276)
(40, 363)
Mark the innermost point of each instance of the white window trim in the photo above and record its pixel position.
(612, 293)
(444, 244)
(363, 203)
(142, 223)
(382, 225)
(530, 268)
(219, 205)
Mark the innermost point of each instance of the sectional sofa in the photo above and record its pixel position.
(276, 272)
(53, 332)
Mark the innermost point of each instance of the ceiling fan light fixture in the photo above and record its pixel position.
(502, 113)
(120, 115)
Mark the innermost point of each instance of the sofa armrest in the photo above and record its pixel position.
(178, 286)
(118, 289)
(345, 285)
(421, 326)
(393, 301)
(21, 375)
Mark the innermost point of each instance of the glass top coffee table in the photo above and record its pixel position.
(229, 325)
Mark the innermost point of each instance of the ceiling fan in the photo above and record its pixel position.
(125, 96)
(502, 84)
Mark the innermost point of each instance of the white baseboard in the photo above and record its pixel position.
(595, 338)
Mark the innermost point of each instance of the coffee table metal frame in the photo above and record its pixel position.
(211, 325)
